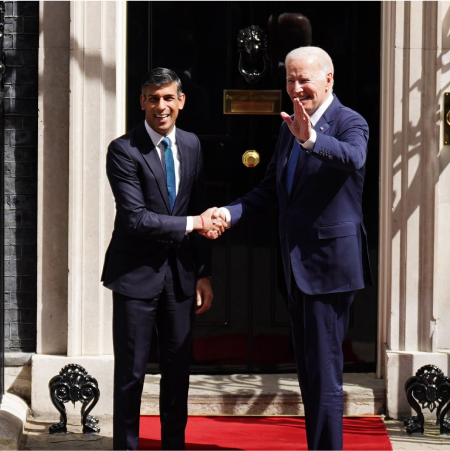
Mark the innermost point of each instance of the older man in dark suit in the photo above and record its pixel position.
(316, 178)
(154, 264)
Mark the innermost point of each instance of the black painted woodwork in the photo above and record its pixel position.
(247, 329)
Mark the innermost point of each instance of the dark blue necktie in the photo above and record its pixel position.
(292, 164)
(170, 172)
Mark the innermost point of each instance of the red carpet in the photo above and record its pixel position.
(263, 433)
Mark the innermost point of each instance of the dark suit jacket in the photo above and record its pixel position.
(145, 231)
(323, 239)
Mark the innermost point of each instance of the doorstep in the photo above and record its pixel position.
(265, 394)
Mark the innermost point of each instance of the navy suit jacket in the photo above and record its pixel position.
(146, 232)
(322, 235)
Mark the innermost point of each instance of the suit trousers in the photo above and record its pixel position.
(319, 324)
(133, 321)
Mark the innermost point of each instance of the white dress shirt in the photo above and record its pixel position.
(309, 144)
(157, 141)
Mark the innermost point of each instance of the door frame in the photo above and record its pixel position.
(121, 66)
(387, 87)
(387, 81)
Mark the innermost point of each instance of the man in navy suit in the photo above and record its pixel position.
(316, 178)
(155, 266)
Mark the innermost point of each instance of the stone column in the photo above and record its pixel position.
(92, 127)
(414, 201)
(89, 114)
(53, 177)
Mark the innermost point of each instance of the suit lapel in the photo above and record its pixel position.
(322, 125)
(151, 157)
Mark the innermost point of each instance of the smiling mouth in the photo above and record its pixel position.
(162, 116)
(303, 98)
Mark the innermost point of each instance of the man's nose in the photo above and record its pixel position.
(162, 104)
(298, 86)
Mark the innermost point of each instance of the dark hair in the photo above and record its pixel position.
(160, 76)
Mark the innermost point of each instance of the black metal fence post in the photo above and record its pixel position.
(428, 389)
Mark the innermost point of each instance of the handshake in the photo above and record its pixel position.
(211, 223)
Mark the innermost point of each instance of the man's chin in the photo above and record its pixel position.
(160, 125)
(165, 129)
(309, 111)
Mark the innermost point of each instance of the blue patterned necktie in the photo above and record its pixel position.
(292, 164)
(170, 172)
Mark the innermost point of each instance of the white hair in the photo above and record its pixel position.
(314, 53)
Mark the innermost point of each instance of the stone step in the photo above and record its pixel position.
(265, 394)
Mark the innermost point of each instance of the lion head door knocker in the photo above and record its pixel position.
(252, 46)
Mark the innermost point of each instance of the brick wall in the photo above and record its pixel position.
(21, 108)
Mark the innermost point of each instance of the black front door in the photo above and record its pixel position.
(247, 329)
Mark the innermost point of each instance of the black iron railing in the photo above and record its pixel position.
(428, 389)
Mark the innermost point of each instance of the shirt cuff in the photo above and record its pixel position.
(227, 214)
(311, 141)
(189, 224)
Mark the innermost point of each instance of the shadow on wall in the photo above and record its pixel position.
(415, 161)
(18, 381)
(61, 53)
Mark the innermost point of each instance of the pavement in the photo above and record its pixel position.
(364, 394)
(38, 438)
(431, 439)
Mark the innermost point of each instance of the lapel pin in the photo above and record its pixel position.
(321, 128)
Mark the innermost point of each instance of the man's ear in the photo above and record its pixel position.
(142, 100)
(182, 100)
(330, 77)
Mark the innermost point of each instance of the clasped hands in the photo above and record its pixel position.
(211, 223)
